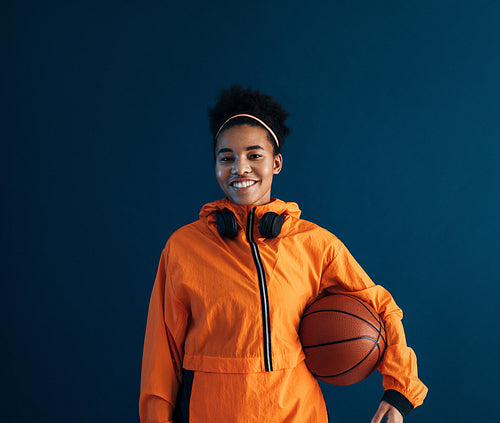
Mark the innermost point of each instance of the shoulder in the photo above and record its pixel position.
(316, 238)
(302, 226)
(191, 232)
(185, 243)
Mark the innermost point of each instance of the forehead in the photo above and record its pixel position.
(241, 137)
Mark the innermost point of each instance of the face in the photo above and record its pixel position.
(245, 164)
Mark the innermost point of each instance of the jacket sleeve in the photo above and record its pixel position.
(163, 350)
(399, 364)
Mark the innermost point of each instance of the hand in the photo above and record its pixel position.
(386, 409)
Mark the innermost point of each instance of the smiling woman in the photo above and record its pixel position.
(222, 340)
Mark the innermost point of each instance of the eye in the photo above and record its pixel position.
(225, 159)
(255, 156)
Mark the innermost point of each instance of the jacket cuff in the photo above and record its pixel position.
(398, 400)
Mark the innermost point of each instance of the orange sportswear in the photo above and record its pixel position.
(231, 314)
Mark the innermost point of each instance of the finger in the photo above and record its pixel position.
(394, 416)
(381, 412)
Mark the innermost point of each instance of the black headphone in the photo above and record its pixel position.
(270, 224)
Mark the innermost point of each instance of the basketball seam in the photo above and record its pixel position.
(379, 319)
(341, 341)
(353, 367)
(345, 312)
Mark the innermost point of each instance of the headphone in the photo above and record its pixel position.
(270, 224)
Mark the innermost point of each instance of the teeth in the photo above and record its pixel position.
(243, 184)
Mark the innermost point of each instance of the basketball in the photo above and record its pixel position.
(343, 339)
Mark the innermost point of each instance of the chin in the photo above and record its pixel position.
(241, 202)
(247, 199)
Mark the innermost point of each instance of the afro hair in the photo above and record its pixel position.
(237, 100)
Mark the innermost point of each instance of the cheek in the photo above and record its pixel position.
(219, 173)
(267, 171)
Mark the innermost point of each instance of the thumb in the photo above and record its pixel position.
(383, 408)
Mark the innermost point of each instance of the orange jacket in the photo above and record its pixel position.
(208, 313)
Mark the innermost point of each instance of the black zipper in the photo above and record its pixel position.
(266, 324)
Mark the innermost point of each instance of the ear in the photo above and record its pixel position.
(277, 164)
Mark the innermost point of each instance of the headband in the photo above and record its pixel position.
(253, 117)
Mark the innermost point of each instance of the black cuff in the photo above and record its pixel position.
(398, 400)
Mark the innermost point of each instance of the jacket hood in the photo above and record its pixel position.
(209, 211)
(275, 205)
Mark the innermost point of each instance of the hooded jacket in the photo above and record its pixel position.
(231, 308)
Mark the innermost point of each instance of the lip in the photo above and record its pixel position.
(232, 182)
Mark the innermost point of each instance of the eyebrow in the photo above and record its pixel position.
(252, 147)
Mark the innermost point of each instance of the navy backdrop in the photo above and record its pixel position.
(106, 151)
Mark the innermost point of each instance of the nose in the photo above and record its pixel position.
(240, 167)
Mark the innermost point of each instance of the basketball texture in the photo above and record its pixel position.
(343, 339)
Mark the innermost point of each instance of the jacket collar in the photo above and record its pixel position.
(209, 210)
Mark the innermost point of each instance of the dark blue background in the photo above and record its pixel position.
(395, 148)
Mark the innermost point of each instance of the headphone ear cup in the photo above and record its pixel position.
(270, 224)
(227, 226)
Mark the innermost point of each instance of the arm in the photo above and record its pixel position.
(163, 350)
(403, 389)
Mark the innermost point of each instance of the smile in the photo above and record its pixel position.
(243, 184)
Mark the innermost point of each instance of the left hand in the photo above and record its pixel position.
(386, 409)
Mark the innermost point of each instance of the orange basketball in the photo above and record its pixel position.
(343, 339)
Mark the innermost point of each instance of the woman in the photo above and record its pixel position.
(221, 341)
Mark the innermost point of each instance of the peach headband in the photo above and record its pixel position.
(253, 117)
